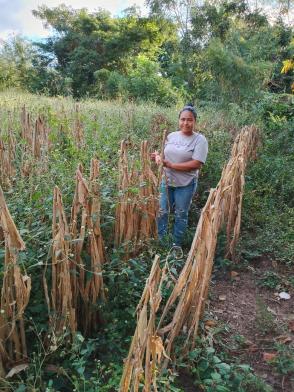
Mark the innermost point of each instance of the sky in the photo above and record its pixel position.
(16, 15)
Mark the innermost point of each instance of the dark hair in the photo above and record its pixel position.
(190, 108)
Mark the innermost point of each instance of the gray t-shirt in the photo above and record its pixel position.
(180, 148)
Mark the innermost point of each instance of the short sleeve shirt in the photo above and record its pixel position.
(180, 148)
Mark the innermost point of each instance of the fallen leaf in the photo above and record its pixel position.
(222, 297)
(284, 295)
(267, 357)
(16, 370)
(291, 325)
(284, 339)
(234, 274)
(210, 323)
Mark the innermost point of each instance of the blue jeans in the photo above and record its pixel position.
(178, 199)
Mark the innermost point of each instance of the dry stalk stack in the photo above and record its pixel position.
(62, 311)
(77, 285)
(148, 199)
(7, 157)
(146, 351)
(36, 138)
(15, 294)
(137, 205)
(86, 237)
(185, 306)
(243, 150)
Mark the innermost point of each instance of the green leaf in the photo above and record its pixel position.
(216, 376)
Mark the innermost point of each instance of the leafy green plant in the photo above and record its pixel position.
(215, 373)
(270, 280)
(284, 361)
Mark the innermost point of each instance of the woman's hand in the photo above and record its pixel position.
(155, 156)
(167, 164)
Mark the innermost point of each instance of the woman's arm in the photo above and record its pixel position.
(184, 166)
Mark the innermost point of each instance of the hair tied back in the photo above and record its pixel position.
(189, 107)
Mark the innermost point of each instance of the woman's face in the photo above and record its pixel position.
(187, 122)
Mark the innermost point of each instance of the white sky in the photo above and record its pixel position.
(16, 15)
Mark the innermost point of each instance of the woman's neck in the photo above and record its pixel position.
(187, 133)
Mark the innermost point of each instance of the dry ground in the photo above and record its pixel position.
(256, 318)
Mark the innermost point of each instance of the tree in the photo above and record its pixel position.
(88, 42)
(16, 57)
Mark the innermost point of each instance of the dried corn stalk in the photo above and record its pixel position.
(78, 131)
(223, 205)
(148, 198)
(6, 166)
(93, 287)
(244, 149)
(64, 312)
(40, 141)
(7, 157)
(15, 294)
(137, 206)
(78, 231)
(36, 143)
(121, 210)
(86, 235)
(26, 127)
(146, 351)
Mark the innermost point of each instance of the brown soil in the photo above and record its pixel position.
(256, 316)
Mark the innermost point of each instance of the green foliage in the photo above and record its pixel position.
(16, 62)
(214, 372)
(231, 74)
(270, 279)
(143, 82)
(87, 43)
(218, 51)
(268, 202)
(284, 361)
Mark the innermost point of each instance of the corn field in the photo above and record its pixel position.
(72, 275)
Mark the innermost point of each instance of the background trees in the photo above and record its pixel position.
(225, 51)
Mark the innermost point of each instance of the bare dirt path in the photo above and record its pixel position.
(261, 322)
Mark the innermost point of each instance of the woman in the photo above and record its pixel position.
(185, 151)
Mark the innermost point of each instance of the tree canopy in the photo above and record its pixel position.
(181, 50)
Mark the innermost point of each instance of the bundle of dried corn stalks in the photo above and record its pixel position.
(36, 142)
(87, 237)
(148, 197)
(244, 150)
(141, 365)
(7, 157)
(15, 294)
(223, 205)
(77, 286)
(137, 205)
(63, 314)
